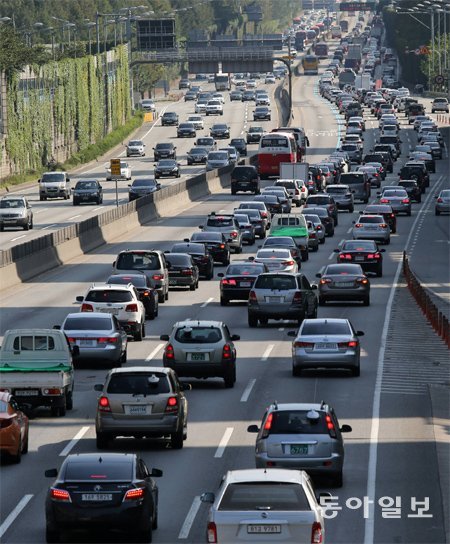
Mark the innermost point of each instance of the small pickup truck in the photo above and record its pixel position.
(293, 225)
(36, 366)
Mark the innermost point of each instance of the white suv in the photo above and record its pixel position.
(122, 301)
(439, 104)
(214, 107)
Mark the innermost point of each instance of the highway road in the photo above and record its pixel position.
(53, 214)
(389, 453)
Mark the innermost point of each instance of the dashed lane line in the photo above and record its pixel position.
(74, 440)
(14, 514)
(223, 443)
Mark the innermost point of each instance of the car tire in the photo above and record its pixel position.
(192, 287)
(123, 358)
(262, 236)
(252, 321)
(322, 301)
(161, 298)
(315, 248)
(388, 241)
(69, 400)
(379, 272)
(337, 479)
(139, 335)
(356, 371)
(176, 440)
(52, 536)
(409, 214)
(366, 301)
(25, 445)
(223, 301)
(264, 321)
(305, 255)
(296, 371)
(18, 457)
(230, 378)
(155, 518)
(102, 441)
(233, 192)
(166, 295)
(75, 202)
(210, 275)
(351, 209)
(322, 240)
(437, 212)
(144, 535)
(59, 411)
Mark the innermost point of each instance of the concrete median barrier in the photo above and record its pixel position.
(25, 261)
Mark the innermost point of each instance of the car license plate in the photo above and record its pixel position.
(344, 284)
(263, 529)
(172, 282)
(85, 342)
(96, 497)
(137, 409)
(113, 311)
(245, 284)
(325, 345)
(274, 299)
(299, 449)
(197, 356)
(26, 392)
(358, 258)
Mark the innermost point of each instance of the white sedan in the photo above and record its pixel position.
(125, 171)
(214, 107)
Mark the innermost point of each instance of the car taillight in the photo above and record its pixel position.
(316, 533)
(87, 307)
(264, 214)
(134, 494)
(222, 246)
(186, 272)
(107, 340)
(384, 201)
(358, 225)
(319, 227)
(346, 256)
(312, 235)
(350, 344)
(287, 263)
(168, 352)
(158, 277)
(172, 405)
(53, 391)
(323, 281)
(103, 404)
(131, 308)
(233, 234)
(228, 282)
(60, 495)
(383, 225)
(227, 352)
(330, 426)
(71, 340)
(364, 281)
(297, 296)
(303, 344)
(440, 200)
(211, 532)
(405, 201)
(303, 189)
(252, 296)
(268, 423)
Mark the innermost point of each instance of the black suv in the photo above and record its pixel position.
(216, 244)
(200, 255)
(240, 145)
(169, 118)
(245, 178)
(416, 171)
(412, 188)
(164, 151)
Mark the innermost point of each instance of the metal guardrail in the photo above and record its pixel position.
(437, 319)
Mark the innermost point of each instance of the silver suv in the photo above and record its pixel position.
(122, 301)
(228, 226)
(142, 402)
(54, 185)
(150, 262)
(301, 436)
(439, 104)
(15, 211)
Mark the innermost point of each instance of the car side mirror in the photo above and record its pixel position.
(57, 327)
(129, 185)
(51, 473)
(220, 275)
(359, 333)
(39, 180)
(346, 429)
(185, 386)
(253, 429)
(114, 263)
(158, 185)
(98, 387)
(79, 299)
(76, 351)
(353, 222)
(318, 275)
(186, 240)
(166, 251)
(164, 337)
(235, 337)
(208, 497)
(156, 473)
(293, 334)
(382, 250)
(313, 286)
(201, 227)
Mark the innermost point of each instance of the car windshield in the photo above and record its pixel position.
(279, 283)
(12, 203)
(219, 127)
(137, 280)
(56, 177)
(144, 183)
(198, 335)
(135, 143)
(77, 470)
(167, 162)
(351, 179)
(138, 261)
(218, 156)
(324, 328)
(164, 146)
(337, 269)
(186, 125)
(445, 194)
(178, 260)
(219, 221)
(139, 383)
(255, 129)
(267, 496)
(108, 295)
(273, 141)
(205, 141)
(88, 323)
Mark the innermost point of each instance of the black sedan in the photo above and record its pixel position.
(147, 293)
(254, 135)
(88, 190)
(386, 211)
(111, 491)
(216, 243)
(186, 130)
(325, 217)
(240, 145)
(412, 188)
(183, 272)
(219, 130)
(169, 118)
(142, 187)
(362, 252)
(237, 281)
(261, 113)
(272, 202)
(164, 150)
(200, 255)
(323, 201)
(197, 155)
(167, 168)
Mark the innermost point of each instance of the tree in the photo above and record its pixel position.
(146, 76)
(14, 54)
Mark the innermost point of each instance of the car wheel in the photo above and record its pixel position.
(264, 321)
(75, 202)
(252, 321)
(296, 371)
(322, 301)
(161, 298)
(123, 358)
(351, 209)
(2, 228)
(102, 441)
(337, 479)
(388, 241)
(144, 535)
(230, 378)
(192, 287)
(233, 192)
(409, 213)
(436, 212)
(223, 301)
(51, 536)
(176, 440)
(25, 446)
(69, 400)
(166, 296)
(379, 272)
(366, 301)
(155, 518)
(139, 335)
(356, 371)
(58, 411)
(315, 248)
(26, 227)
(18, 457)
(322, 240)
(305, 255)
(263, 235)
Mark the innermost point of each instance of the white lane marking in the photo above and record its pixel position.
(206, 302)
(223, 443)
(189, 520)
(74, 440)
(369, 524)
(248, 390)
(14, 514)
(281, 329)
(99, 208)
(49, 226)
(349, 230)
(267, 352)
(74, 217)
(154, 352)
(40, 210)
(331, 255)
(18, 237)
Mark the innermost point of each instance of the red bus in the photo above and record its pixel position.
(301, 139)
(275, 148)
(321, 50)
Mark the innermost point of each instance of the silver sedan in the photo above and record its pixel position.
(442, 202)
(398, 199)
(326, 343)
(372, 227)
(343, 282)
(279, 260)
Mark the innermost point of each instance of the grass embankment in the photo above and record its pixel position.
(91, 153)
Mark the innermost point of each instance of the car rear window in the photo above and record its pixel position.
(287, 184)
(337, 190)
(270, 496)
(138, 261)
(109, 295)
(177, 260)
(33, 343)
(107, 470)
(218, 156)
(318, 200)
(206, 237)
(279, 241)
(394, 193)
(314, 328)
(333, 269)
(140, 383)
(88, 324)
(359, 245)
(191, 249)
(297, 422)
(137, 281)
(351, 179)
(220, 221)
(370, 219)
(273, 254)
(282, 283)
(198, 335)
(245, 173)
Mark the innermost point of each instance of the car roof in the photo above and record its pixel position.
(265, 475)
